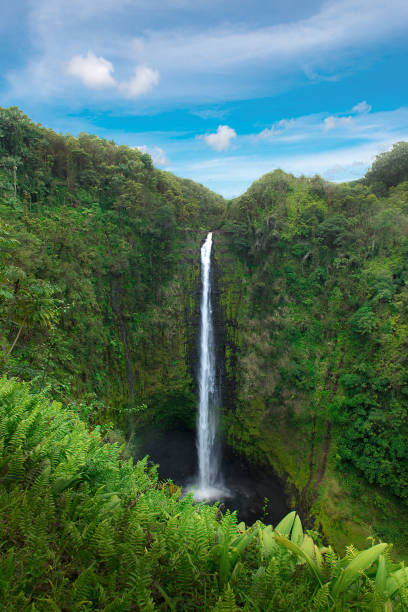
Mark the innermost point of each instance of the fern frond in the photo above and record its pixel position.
(227, 602)
(322, 598)
(84, 586)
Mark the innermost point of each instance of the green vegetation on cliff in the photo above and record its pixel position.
(97, 268)
(320, 328)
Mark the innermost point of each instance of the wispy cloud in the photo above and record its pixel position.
(196, 62)
(341, 26)
(361, 107)
(346, 121)
(210, 113)
(333, 121)
(276, 129)
(362, 123)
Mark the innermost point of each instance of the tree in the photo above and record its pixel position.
(25, 302)
(389, 168)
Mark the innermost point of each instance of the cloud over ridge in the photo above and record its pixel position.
(156, 153)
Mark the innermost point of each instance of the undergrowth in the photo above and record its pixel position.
(82, 528)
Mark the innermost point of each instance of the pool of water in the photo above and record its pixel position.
(253, 491)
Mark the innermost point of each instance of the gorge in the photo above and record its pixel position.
(217, 474)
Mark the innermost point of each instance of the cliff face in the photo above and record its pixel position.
(169, 355)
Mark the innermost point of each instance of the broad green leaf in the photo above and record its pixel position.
(268, 541)
(242, 542)
(286, 524)
(297, 532)
(396, 580)
(353, 570)
(381, 576)
(308, 545)
(313, 565)
(318, 556)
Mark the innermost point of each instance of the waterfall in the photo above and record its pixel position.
(208, 405)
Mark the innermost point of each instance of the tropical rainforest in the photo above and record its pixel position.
(99, 299)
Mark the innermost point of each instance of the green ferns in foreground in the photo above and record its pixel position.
(84, 529)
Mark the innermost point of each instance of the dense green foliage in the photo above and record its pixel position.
(83, 529)
(93, 239)
(322, 319)
(389, 169)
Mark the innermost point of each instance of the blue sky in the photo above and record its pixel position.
(219, 91)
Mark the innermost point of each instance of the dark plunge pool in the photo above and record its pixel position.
(255, 492)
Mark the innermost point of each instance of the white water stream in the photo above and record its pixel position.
(209, 485)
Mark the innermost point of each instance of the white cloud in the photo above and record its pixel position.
(361, 108)
(142, 82)
(95, 72)
(156, 153)
(221, 139)
(333, 122)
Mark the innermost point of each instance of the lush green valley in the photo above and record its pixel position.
(99, 286)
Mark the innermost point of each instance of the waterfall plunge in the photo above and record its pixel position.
(208, 486)
(247, 488)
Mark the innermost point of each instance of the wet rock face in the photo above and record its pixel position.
(225, 327)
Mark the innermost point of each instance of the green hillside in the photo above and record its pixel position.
(98, 267)
(316, 288)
